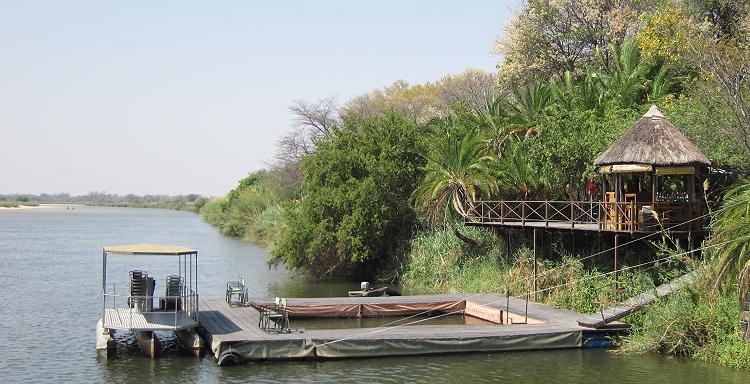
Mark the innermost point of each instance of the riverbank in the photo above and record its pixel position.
(25, 206)
(696, 322)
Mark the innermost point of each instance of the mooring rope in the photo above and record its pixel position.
(528, 294)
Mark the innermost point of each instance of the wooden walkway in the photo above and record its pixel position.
(235, 330)
(631, 305)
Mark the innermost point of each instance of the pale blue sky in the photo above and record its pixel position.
(187, 96)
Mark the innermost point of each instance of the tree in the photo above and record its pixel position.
(725, 61)
(457, 171)
(354, 211)
(516, 172)
(312, 121)
(472, 88)
(549, 37)
(731, 237)
(420, 102)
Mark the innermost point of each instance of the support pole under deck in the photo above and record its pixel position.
(616, 249)
(535, 263)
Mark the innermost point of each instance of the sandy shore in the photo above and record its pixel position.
(40, 206)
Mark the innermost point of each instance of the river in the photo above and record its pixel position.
(50, 281)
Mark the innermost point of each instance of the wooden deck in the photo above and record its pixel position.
(131, 319)
(235, 329)
(588, 216)
(631, 305)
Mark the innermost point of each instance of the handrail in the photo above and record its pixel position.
(186, 303)
(619, 216)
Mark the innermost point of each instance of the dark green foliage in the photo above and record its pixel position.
(708, 119)
(563, 152)
(237, 213)
(354, 212)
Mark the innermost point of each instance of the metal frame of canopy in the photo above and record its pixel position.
(185, 307)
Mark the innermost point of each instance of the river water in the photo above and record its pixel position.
(50, 281)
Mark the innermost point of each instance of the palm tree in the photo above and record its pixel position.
(531, 103)
(457, 171)
(515, 170)
(731, 236)
(623, 79)
(583, 94)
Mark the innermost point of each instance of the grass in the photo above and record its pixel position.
(697, 322)
(253, 215)
(439, 262)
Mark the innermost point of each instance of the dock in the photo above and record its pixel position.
(233, 334)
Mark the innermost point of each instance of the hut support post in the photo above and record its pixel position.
(691, 201)
(618, 198)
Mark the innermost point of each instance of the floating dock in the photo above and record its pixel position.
(234, 336)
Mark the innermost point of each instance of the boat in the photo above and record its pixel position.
(134, 310)
(366, 291)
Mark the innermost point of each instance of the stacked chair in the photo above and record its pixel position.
(141, 287)
(175, 287)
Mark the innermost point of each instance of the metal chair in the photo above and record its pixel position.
(274, 318)
(236, 293)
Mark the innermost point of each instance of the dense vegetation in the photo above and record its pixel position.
(377, 186)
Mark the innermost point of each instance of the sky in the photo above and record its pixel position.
(177, 97)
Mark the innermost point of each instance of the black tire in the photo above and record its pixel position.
(229, 357)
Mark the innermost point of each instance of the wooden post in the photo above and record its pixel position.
(616, 249)
(618, 195)
(507, 243)
(691, 200)
(535, 269)
(572, 215)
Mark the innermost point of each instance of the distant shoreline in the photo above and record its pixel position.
(37, 206)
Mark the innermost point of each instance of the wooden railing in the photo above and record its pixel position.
(597, 215)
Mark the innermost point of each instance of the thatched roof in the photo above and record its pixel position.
(653, 140)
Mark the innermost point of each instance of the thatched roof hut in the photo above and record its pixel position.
(653, 140)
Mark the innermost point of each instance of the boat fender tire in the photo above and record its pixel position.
(229, 357)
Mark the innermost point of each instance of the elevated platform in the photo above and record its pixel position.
(234, 331)
(621, 218)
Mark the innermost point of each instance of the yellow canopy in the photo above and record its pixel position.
(625, 168)
(148, 249)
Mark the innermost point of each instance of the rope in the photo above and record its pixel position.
(545, 273)
(384, 328)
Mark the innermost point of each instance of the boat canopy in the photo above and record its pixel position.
(149, 249)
